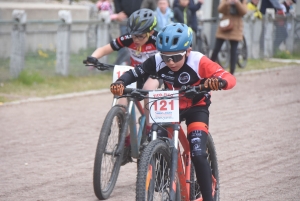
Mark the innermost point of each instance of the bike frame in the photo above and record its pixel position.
(135, 135)
(181, 161)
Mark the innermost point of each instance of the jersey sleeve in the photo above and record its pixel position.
(140, 71)
(120, 42)
(207, 69)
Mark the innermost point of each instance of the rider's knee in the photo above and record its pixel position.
(198, 139)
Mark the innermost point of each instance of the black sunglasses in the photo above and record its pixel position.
(174, 57)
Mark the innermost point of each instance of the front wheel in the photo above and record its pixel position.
(153, 179)
(213, 162)
(107, 160)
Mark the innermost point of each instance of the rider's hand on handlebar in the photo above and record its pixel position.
(91, 60)
(215, 83)
(117, 88)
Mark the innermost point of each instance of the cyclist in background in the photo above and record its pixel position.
(140, 41)
(177, 65)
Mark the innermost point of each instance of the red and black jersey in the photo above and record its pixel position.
(196, 69)
(136, 56)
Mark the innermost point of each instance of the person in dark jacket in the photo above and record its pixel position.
(193, 8)
(182, 14)
(124, 8)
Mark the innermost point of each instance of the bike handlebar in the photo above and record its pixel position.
(99, 65)
(190, 92)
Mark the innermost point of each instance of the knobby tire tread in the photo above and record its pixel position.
(152, 148)
(102, 143)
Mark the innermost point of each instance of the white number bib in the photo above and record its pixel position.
(119, 70)
(165, 110)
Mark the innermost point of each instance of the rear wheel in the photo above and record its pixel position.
(224, 55)
(107, 160)
(242, 53)
(202, 44)
(153, 180)
(212, 160)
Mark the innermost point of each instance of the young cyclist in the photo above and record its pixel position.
(140, 40)
(141, 43)
(177, 65)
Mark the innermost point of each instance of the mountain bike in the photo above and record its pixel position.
(242, 54)
(201, 42)
(165, 170)
(110, 147)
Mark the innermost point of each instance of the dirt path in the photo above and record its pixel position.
(47, 148)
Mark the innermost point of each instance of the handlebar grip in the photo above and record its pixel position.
(127, 91)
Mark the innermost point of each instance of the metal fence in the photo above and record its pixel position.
(57, 47)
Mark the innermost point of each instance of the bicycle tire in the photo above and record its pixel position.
(212, 159)
(242, 53)
(204, 46)
(154, 167)
(105, 177)
(224, 55)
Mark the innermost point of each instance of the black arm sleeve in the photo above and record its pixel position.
(139, 72)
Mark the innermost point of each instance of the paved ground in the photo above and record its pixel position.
(47, 147)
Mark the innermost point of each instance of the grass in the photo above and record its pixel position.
(38, 79)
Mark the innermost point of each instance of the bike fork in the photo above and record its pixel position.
(174, 161)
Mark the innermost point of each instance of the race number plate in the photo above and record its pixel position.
(119, 70)
(165, 110)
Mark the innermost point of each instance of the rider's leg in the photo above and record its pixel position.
(218, 44)
(197, 125)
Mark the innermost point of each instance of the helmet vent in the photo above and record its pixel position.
(175, 41)
(167, 39)
(179, 30)
(160, 40)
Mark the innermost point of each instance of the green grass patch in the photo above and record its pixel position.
(286, 55)
(260, 64)
(39, 79)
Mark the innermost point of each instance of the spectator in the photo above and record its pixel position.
(164, 14)
(282, 27)
(150, 4)
(193, 8)
(270, 4)
(253, 9)
(124, 8)
(182, 13)
(286, 6)
(105, 5)
(233, 12)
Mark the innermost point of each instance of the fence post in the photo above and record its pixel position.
(103, 31)
(18, 36)
(269, 32)
(248, 33)
(63, 43)
(290, 26)
(257, 30)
